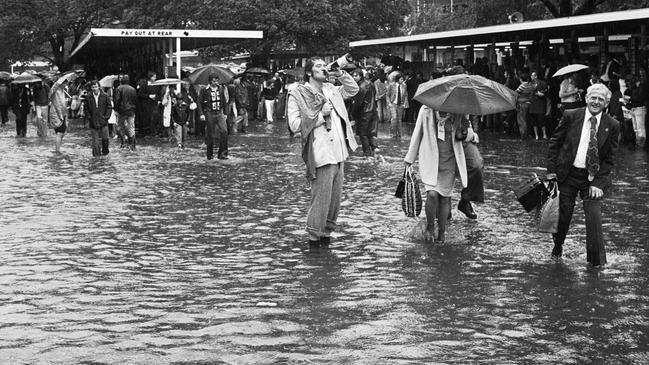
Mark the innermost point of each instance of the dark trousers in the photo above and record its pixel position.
(21, 122)
(99, 141)
(577, 182)
(4, 113)
(365, 130)
(474, 167)
(216, 129)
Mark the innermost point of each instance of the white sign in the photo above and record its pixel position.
(175, 33)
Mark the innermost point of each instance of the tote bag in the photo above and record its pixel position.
(411, 200)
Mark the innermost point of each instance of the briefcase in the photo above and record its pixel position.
(531, 193)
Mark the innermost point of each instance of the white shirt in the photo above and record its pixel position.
(580, 158)
(96, 99)
(329, 147)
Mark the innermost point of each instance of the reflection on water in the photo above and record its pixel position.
(159, 256)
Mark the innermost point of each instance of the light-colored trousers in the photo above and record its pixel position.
(326, 192)
(270, 110)
(41, 120)
(396, 114)
(639, 115)
(181, 133)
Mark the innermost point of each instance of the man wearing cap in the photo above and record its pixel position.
(580, 159)
(212, 104)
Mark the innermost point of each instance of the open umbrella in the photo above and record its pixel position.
(26, 78)
(466, 94)
(108, 81)
(170, 81)
(201, 74)
(62, 78)
(569, 69)
(4, 75)
(257, 70)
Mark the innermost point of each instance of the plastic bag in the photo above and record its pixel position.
(549, 212)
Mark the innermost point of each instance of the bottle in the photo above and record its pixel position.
(340, 62)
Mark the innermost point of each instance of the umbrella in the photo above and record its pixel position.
(108, 81)
(257, 70)
(171, 81)
(4, 75)
(201, 74)
(66, 76)
(569, 69)
(466, 94)
(26, 78)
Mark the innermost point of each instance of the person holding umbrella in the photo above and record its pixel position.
(212, 105)
(21, 107)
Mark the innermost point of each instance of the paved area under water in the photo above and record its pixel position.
(160, 256)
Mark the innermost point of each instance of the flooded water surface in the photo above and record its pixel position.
(159, 256)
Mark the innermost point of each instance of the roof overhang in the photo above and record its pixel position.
(619, 22)
(114, 39)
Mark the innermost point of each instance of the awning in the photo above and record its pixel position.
(112, 40)
(619, 22)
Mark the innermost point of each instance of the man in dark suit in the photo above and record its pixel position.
(580, 159)
(212, 106)
(98, 110)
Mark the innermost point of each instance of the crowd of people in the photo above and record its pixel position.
(327, 107)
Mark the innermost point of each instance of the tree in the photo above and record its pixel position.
(50, 28)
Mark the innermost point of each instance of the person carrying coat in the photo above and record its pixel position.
(98, 109)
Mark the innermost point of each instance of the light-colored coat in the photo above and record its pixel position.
(423, 145)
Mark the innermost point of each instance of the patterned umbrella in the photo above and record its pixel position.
(62, 78)
(201, 75)
(4, 75)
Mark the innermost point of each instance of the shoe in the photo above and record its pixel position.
(465, 207)
(314, 243)
(325, 240)
(223, 157)
(209, 157)
(557, 251)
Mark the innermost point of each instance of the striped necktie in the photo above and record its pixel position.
(592, 155)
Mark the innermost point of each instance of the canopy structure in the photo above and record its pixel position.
(598, 29)
(112, 50)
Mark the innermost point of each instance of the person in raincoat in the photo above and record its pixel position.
(441, 160)
(58, 114)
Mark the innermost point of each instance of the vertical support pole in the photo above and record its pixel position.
(178, 60)
(642, 47)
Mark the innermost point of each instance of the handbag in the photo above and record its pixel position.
(411, 200)
(549, 212)
(401, 186)
(531, 193)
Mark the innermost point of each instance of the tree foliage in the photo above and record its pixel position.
(436, 15)
(52, 28)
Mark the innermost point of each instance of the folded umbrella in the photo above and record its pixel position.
(466, 94)
(201, 74)
(569, 69)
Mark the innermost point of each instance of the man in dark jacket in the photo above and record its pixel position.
(212, 106)
(98, 109)
(125, 101)
(5, 101)
(581, 155)
(364, 112)
(242, 104)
